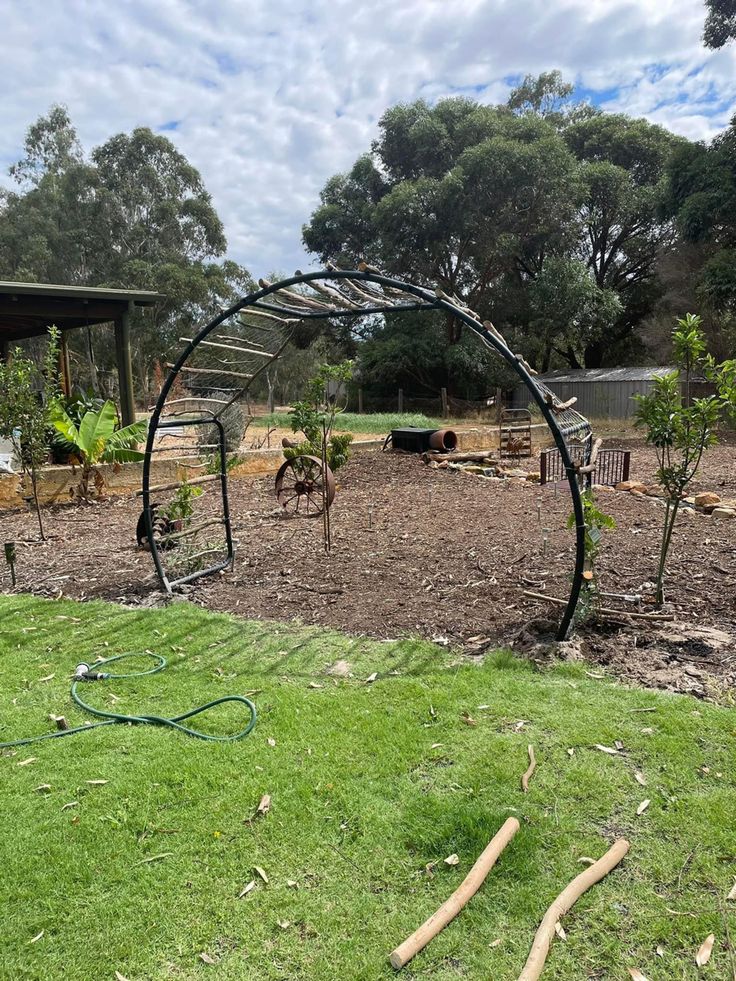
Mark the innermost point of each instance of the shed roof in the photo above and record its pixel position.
(604, 374)
(29, 309)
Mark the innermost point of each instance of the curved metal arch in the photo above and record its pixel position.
(378, 303)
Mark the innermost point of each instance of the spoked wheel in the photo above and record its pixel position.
(302, 484)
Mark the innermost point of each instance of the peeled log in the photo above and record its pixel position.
(567, 898)
(462, 895)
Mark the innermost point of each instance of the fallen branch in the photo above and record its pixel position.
(462, 895)
(528, 775)
(567, 898)
(663, 617)
(470, 456)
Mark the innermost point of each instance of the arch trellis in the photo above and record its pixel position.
(206, 394)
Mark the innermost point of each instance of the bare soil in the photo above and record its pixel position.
(435, 553)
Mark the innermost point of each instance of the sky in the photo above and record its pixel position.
(269, 98)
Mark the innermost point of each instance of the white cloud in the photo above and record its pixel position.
(272, 98)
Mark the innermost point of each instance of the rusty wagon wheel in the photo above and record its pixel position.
(300, 483)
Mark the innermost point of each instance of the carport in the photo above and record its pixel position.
(29, 309)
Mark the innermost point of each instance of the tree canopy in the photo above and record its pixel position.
(134, 213)
(512, 207)
(720, 24)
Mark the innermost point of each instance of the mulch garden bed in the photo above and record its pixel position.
(435, 553)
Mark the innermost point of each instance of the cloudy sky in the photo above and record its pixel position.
(268, 98)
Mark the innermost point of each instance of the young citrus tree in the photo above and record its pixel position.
(28, 392)
(680, 428)
(315, 417)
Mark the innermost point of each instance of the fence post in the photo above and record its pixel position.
(445, 406)
(499, 405)
(360, 401)
(401, 400)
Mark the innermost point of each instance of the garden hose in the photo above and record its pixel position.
(84, 674)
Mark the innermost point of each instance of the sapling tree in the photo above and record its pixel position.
(679, 427)
(315, 416)
(28, 391)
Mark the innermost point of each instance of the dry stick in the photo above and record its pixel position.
(528, 775)
(661, 617)
(567, 898)
(175, 484)
(462, 895)
(192, 529)
(229, 347)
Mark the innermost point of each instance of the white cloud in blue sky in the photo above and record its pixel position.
(268, 99)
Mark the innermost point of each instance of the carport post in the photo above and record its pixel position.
(125, 370)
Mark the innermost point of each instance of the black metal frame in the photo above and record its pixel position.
(167, 583)
(425, 300)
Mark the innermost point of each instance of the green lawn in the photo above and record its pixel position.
(374, 422)
(369, 783)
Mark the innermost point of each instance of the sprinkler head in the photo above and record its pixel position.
(81, 671)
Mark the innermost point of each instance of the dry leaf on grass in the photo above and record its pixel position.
(31, 759)
(732, 894)
(468, 719)
(48, 677)
(371, 678)
(636, 974)
(452, 859)
(606, 749)
(261, 872)
(265, 805)
(659, 951)
(246, 889)
(120, 977)
(435, 745)
(640, 778)
(284, 924)
(586, 860)
(205, 958)
(571, 752)
(96, 783)
(271, 742)
(44, 788)
(292, 883)
(618, 744)
(495, 943)
(315, 684)
(37, 937)
(642, 807)
(706, 949)
(560, 931)
(72, 803)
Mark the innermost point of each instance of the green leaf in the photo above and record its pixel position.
(96, 429)
(63, 424)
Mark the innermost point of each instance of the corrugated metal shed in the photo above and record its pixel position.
(603, 393)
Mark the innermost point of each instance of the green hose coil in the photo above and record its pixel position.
(116, 718)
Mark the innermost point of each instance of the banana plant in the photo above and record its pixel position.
(97, 440)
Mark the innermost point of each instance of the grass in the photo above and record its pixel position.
(370, 784)
(352, 422)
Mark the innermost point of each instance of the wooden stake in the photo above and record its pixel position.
(462, 895)
(567, 898)
(528, 775)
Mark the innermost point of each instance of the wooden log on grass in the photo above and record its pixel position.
(567, 898)
(532, 767)
(462, 895)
